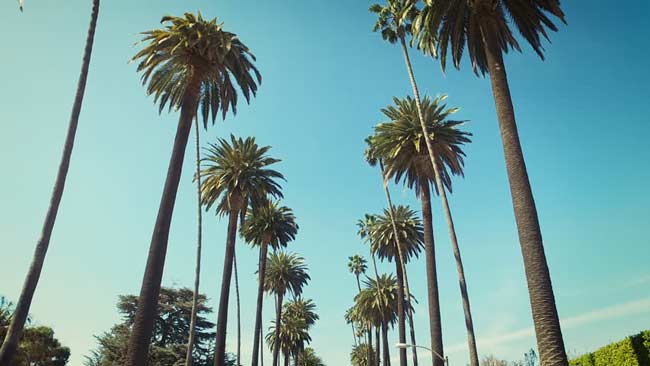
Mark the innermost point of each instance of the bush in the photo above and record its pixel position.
(632, 351)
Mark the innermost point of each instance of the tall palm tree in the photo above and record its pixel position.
(397, 235)
(309, 358)
(190, 63)
(303, 310)
(235, 172)
(398, 142)
(267, 224)
(357, 265)
(285, 273)
(486, 28)
(15, 330)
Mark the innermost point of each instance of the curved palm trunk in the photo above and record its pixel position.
(432, 276)
(402, 264)
(197, 272)
(384, 334)
(260, 304)
(222, 317)
(278, 319)
(15, 330)
(542, 300)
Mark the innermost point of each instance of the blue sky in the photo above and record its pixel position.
(583, 120)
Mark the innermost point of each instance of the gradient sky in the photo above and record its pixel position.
(583, 119)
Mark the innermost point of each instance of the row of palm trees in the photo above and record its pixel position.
(420, 147)
(193, 64)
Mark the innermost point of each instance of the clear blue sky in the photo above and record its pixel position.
(583, 119)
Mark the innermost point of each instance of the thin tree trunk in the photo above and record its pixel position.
(286, 359)
(368, 334)
(402, 263)
(260, 304)
(384, 333)
(234, 261)
(222, 317)
(432, 276)
(401, 321)
(140, 339)
(261, 350)
(278, 319)
(15, 330)
(197, 271)
(545, 317)
(377, 348)
(354, 334)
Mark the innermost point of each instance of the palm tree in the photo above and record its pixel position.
(303, 310)
(397, 235)
(309, 358)
(235, 172)
(15, 330)
(357, 266)
(285, 272)
(188, 64)
(267, 224)
(486, 28)
(398, 142)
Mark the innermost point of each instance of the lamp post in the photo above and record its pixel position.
(404, 345)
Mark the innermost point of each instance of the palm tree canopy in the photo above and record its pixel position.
(394, 20)
(400, 144)
(237, 171)
(460, 23)
(357, 265)
(300, 308)
(192, 47)
(370, 303)
(269, 223)
(285, 272)
(409, 229)
(308, 357)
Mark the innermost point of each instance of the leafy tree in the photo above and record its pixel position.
(267, 224)
(359, 355)
(171, 327)
(190, 63)
(37, 345)
(308, 357)
(13, 334)
(486, 29)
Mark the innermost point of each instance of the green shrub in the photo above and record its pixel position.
(632, 351)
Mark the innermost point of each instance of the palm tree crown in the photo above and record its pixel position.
(471, 23)
(400, 143)
(285, 272)
(191, 48)
(357, 265)
(409, 228)
(269, 223)
(238, 171)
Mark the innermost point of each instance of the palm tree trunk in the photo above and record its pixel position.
(222, 317)
(234, 261)
(140, 339)
(368, 332)
(384, 333)
(260, 304)
(15, 330)
(354, 334)
(197, 271)
(278, 319)
(401, 321)
(286, 359)
(432, 276)
(261, 350)
(542, 300)
(377, 348)
(402, 263)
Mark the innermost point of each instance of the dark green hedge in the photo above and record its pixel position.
(632, 351)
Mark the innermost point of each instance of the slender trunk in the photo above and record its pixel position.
(354, 334)
(197, 271)
(542, 300)
(286, 359)
(401, 321)
(260, 304)
(15, 330)
(377, 348)
(384, 333)
(222, 317)
(432, 276)
(278, 319)
(234, 262)
(368, 334)
(369, 346)
(140, 339)
(402, 263)
(261, 350)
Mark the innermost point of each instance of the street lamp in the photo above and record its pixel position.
(404, 345)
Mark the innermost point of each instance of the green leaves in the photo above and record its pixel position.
(269, 223)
